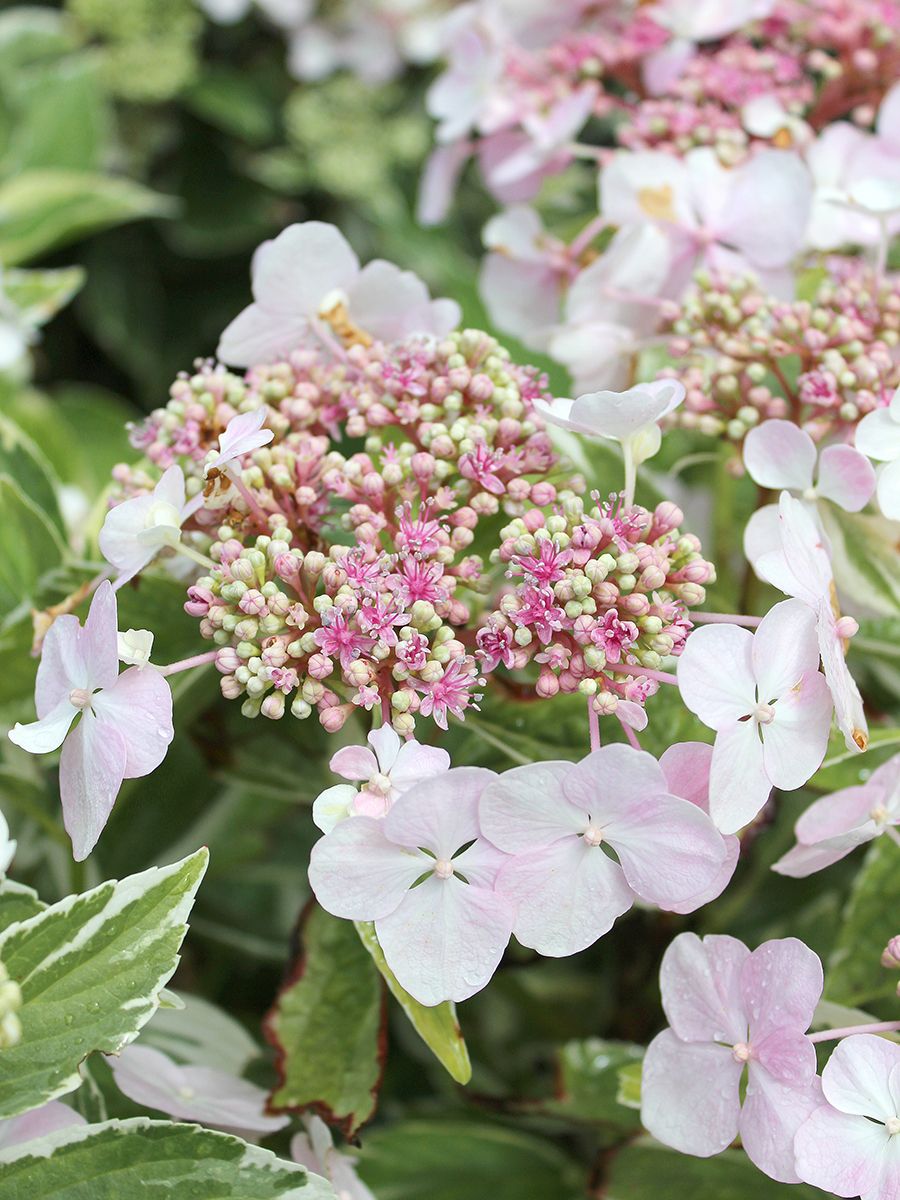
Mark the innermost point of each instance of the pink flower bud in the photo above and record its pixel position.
(227, 660)
(543, 493)
(332, 719)
(518, 490)
(253, 603)
(533, 520)
(890, 956)
(320, 666)
(198, 601)
(666, 516)
(547, 685)
(423, 466)
(230, 687)
(481, 388)
(846, 628)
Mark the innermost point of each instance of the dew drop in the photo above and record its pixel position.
(69, 1019)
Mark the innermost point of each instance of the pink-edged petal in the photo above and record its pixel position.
(838, 814)
(446, 939)
(526, 809)
(773, 1111)
(779, 454)
(700, 981)
(335, 804)
(439, 814)
(720, 880)
(415, 762)
(357, 872)
(786, 1054)
(848, 704)
(38, 1123)
(566, 896)
(686, 767)
(669, 849)
(738, 783)
(690, 1094)
(785, 648)
(91, 770)
(856, 1078)
(256, 336)
(608, 782)
(62, 666)
(803, 860)
(715, 674)
(781, 984)
(878, 435)
(846, 478)
(633, 715)
(40, 737)
(354, 762)
(139, 707)
(839, 1153)
(762, 536)
(795, 742)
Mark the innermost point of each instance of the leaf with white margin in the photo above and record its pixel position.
(91, 969)
(143, 1160)
(200, 1034)
(17, 903)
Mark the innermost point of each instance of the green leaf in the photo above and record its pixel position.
(855, 975)
(447, 1160)
(846, 768)
(327, 1026)
(43, 209)
(17, 903)
(588, 1082)
(142, 1160)
(91, 968)
(866, 563)
(29, 34)
(30, 546)
(22, 461)
(39, 295)
(629, 1090)
(234, 102)
(61, 117)
(437, 1027)
(647, 1171)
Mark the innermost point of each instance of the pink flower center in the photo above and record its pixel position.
(379, 783)
(443, 868)
(80, 697)
(879, 814)
(765, 714)
(892, 1125)
(593, 836)
(741, 1052)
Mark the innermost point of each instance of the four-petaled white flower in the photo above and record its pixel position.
(136, 530)
(878, 437)
(242, 435)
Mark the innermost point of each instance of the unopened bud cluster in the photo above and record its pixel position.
(594, 590)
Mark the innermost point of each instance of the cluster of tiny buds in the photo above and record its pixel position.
(599, 598)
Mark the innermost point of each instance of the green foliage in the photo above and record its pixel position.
(647, 1171)
(91, 968)
(856, 976)
(141, 1158)
(327, 1026)
(589, 1082)
(30, 547)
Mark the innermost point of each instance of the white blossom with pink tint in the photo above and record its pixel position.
(548, 136)
(443, 938)
(315, 1150)
(878, 437)
(14, 1131)
(801, 567)
(850, 1146)
(835, 825)
(686, 766)
(750, 218)
(778, 454)
(555, 820)
(386, 771)
(524, 275)
(730, 1009)
(767, 701)
(136, 530)
(630, 417)
(708, 20)
(242, 435)
(307, 273)
(193, 1093)
(111, 727)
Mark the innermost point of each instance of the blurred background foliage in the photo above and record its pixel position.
(144, 154)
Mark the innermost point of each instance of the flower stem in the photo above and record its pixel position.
(184, 664)
(628, 669)
(259, 514)
(630, 734)
(829, 1035)
(195, 556)
(593, 724)
(704, 618)
(587, 235)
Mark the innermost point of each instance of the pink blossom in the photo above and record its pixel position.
(545, 567)
(481, 465)
(123, 723)
(495, 646)
(444, 937)
(242, 435)
(555, 818)
(849, 1145)
(613, 636)
(769, 705)
(835, 825)
(193, 1093)
(337, 639)
(418, 579)
(452, 693)
(418, 535)
(538, 610)
(523, 277)
(729, 1009)
(378, 618)
(413, 651)
(778, 454)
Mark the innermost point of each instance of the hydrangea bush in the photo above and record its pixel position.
(421, 682)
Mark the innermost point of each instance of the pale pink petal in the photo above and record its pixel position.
(392, 304)
(446, 939)
(878, 435)
(770, 198)
(256, 336)
(293, 273)
(846, 478)
(785, 648)
(889, 490)
(517, 232)
(415, 762)
(439, 814)
(439, 181)
(856, 1078)
(794, 744)
(888, 123)
(38, 1123)
(611, 781)
(91, 770)
(385, 741)
(781, 984)
(715, 674)
(803, 567)
(686, 768)
(778, 454)
(480, 863)
(786, 1054)
(848, 705)
(62, 666)
(356, 872)
(242, 435)
(646, 185)
(803, 860)
(719, 882)
(690, 1098)
(39, 737)
(118, 539)
(621, 415)
(700, 981)
(773, 1111)
(139, 707)
(839, 1153)
(335, 804)
(662, 69)
(763, 534)
(566, 896)
(633, 715)
(525, 808)
(99, 639)
(354, 762)
(522, 298)
(738, 783)
(838, 814)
